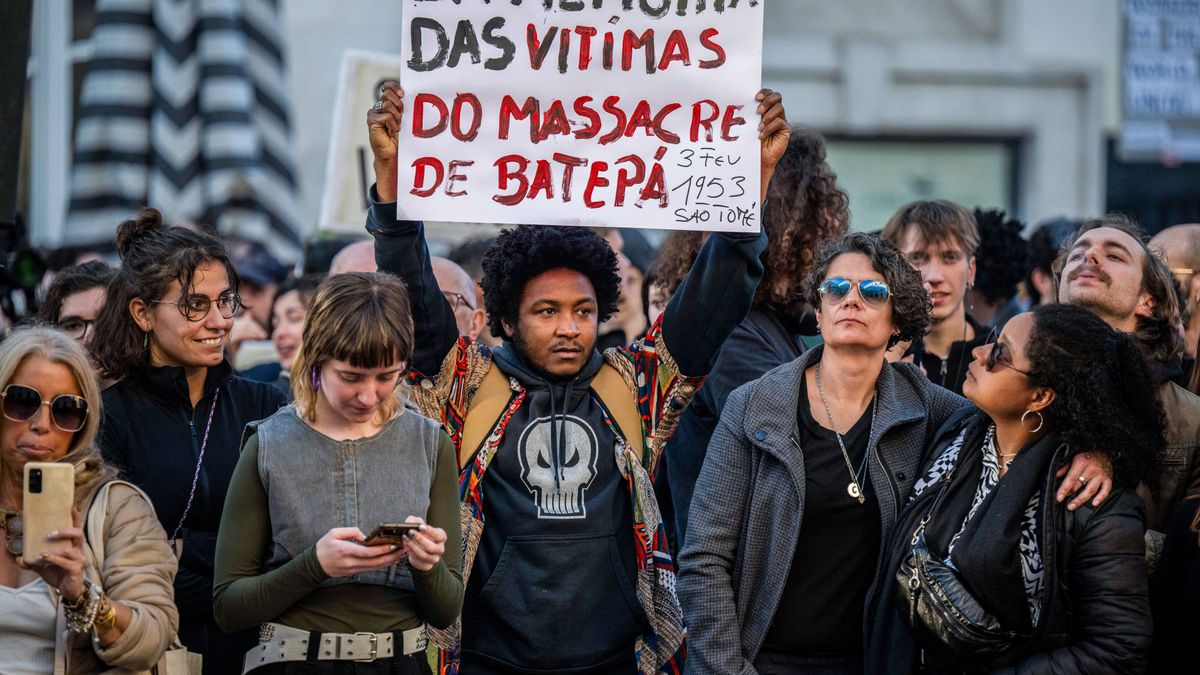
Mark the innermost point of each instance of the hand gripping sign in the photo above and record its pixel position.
(626, 113)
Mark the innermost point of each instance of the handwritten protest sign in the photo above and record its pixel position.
(627, 113)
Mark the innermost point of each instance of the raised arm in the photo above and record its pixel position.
(400, 247)
(717, 292)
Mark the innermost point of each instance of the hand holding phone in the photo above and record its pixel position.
(49, 495)
(391, 533)
(343, 552)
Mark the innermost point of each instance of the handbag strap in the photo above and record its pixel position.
(93, 535)
(943, 488)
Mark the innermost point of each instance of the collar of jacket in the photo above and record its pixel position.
(770, 421)
(169, 383)
(1162, 371)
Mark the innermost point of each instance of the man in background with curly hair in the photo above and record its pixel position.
(556, 441)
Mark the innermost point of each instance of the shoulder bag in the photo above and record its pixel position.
(937, 604)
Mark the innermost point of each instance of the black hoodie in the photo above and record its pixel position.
(562, 548)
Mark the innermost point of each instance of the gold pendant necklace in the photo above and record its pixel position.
(854, 489)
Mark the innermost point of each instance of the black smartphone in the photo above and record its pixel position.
(390, 533)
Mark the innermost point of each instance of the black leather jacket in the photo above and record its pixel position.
(1097, 613)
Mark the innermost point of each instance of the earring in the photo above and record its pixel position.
(1041, 421)
(146, 340)
(314, 378)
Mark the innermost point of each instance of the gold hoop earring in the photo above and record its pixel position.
(1041, 421)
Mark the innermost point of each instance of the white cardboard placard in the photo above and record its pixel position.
(348, 171)
(645, 112)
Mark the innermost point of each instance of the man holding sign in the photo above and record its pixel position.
(572, 572)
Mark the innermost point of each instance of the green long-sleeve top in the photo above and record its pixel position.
(245, 595)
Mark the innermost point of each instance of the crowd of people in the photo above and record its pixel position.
(932, 448)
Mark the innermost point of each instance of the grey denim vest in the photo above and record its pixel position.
(315, 483)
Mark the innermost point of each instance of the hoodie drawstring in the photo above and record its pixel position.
(558, 429)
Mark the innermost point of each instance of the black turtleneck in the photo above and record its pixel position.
(151, 432)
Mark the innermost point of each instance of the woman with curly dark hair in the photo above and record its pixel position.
(831, 441)
(985, 570)
(805, 206)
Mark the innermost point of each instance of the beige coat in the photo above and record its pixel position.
(138, 570)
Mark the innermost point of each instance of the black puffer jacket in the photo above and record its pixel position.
(151, 432)
(1096, 617)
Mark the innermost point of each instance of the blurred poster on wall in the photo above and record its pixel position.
(883, 175)
(348, 172)
(1160, 81)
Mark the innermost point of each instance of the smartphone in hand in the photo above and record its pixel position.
(390, 533)
(49, 495)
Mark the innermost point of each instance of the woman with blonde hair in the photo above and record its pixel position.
(76, 611)
(318, 475)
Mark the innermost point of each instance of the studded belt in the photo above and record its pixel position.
(279, 643)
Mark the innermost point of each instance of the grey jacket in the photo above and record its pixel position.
(749, 502)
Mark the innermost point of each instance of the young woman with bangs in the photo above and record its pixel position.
(320, 474)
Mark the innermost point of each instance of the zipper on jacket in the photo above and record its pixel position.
(883, 545)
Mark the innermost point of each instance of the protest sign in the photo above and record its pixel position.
(348, 166)
(626, 113)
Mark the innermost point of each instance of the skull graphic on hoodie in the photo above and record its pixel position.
(558, 463)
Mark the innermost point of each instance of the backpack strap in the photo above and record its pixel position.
(487, 404)
(493, 395)
(621, 403)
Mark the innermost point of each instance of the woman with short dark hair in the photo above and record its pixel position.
(175, 417)
(289, 309)
(986, 571)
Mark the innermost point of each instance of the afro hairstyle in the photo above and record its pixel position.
(1002, 256)
(521, 253)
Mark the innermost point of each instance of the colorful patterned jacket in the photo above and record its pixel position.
(447, 370)
(662, 394)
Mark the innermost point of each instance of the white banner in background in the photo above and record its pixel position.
(348, 171)
(627, 113)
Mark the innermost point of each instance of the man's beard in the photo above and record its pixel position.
(526, 355)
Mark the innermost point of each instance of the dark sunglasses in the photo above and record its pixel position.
(874, 293)
(997, 353)
(196, 307)
(67, 411)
